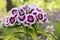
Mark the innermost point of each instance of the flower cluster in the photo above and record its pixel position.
(27, 15)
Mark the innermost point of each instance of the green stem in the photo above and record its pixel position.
(32, 32)
(35, 27)
(27, 32)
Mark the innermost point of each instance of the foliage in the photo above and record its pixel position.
(17, 32)
(57, 29)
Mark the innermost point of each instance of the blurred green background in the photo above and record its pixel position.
(6, 5)
(51, 5)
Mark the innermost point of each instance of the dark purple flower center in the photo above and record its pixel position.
(21, 10)
(31, 10)
(12, 20)
(30, 18)
(14, 11)
(45, 15)
(21, 13)
(21, 18)
(35, 13)
(7, 20)
(40, 16)
(44, 19)
(27, 23)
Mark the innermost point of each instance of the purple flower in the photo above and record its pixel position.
(14, 11)
(12, 20)
(31, 10)
(39, 10)
(21, 11)
(45, 17)
(45, 20)
(30, 18)
(26, 7)
(35, 13)
(6, 22)
(40, 16)
(21, 16)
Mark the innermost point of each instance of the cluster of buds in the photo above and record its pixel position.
(26, 15)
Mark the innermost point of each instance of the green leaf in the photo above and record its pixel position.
(14, 38)
(48, 35)
(33, 34)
